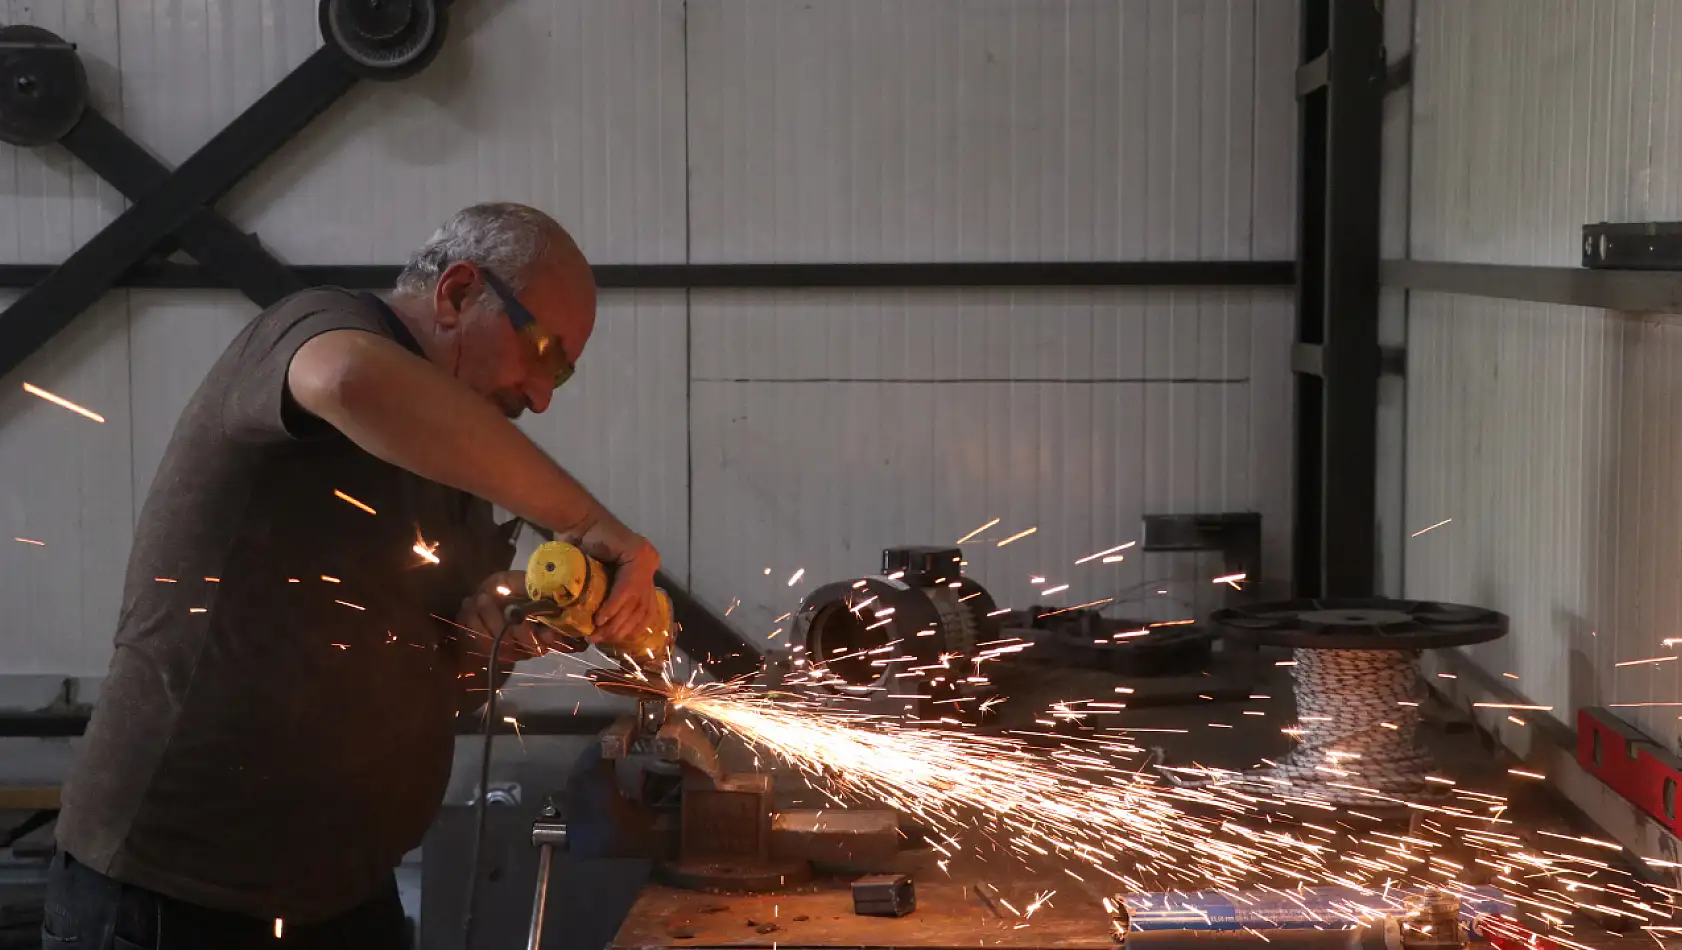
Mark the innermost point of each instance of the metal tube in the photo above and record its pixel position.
(545, 855)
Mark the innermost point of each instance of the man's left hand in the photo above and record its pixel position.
(481, 617)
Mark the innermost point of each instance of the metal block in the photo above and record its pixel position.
(884, 895)
(851, 837)
(616, 739)
(728, 821)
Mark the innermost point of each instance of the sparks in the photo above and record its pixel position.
(1432, 527)
(427, 552)
(795, 578)
(977, 531)
(1105, 554)
(503, 590)
(62, 402)
(346, 498)
(1016, 537)
(39, 544)
(1651, 659)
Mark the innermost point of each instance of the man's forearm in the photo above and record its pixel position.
(403, 410)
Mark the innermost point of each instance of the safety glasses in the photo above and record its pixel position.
(551, 356)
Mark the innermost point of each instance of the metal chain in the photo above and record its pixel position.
(1358, 711)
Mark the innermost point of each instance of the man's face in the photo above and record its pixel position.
(516, 368)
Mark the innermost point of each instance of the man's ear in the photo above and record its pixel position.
(454, 290)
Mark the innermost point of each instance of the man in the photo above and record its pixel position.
(307, 607)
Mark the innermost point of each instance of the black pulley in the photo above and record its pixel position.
(43, 87)
(383, 39)
(1372, 623)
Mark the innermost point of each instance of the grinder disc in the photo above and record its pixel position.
(43, 87)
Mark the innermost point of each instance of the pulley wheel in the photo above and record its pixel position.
(43, 87)
(383, 40)
(1373, 623)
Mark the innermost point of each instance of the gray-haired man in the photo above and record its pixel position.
(276, 728)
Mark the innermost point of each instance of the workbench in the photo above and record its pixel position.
(949, 914)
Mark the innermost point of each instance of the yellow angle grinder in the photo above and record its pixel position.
(567, 586)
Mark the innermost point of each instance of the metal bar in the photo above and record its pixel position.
(1630, 291)
(706, 637)
(1354, 156)
(537, 723)
(758, 276)
(37, 725)
(1305, 359)
(222, 248)
(1399, 74)
(1337, 302)
(1307, 436)
(540, 899)
(1311, 75)
(49, 306)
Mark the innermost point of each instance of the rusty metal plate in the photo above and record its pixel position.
(863, 838)
(948, 915)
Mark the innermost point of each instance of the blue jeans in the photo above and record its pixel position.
(88, 911)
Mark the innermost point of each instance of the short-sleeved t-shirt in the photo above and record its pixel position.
(276, 727)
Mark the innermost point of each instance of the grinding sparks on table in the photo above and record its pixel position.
(62, 402)
(1090, 806)
(427, 552)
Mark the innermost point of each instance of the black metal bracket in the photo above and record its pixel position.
(1237, 535)
(1644, 245)
(174, 206)
(1338, 358)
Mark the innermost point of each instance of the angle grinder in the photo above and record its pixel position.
(566, 587)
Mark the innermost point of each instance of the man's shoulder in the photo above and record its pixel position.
(325, 300)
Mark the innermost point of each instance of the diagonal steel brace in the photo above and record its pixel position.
(174, 206)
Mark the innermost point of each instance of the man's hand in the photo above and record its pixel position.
(481, 616)
(629, 607)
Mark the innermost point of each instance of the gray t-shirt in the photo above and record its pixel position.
(276, 727)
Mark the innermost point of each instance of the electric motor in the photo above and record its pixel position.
(906, 639)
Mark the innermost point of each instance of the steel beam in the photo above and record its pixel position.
(766, 276)
(50, 305)
(1630, 291)
(1337, 354)
(214, 242)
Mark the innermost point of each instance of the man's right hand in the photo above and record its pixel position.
(630, 604)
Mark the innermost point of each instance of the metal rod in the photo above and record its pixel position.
(539, 899)
(154, 274)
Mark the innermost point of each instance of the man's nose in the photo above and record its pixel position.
(539, 395)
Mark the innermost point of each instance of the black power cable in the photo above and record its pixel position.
(512, 614)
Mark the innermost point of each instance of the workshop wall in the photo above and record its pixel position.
(1547, 433)
(741, 430)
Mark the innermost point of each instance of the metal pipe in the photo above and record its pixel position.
(545, 856)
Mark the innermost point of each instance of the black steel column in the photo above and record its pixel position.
(1341, 93)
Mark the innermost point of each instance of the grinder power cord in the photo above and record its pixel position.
(564, 588)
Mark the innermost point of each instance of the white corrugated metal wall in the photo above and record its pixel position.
(745, 432)
(1547, 433)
